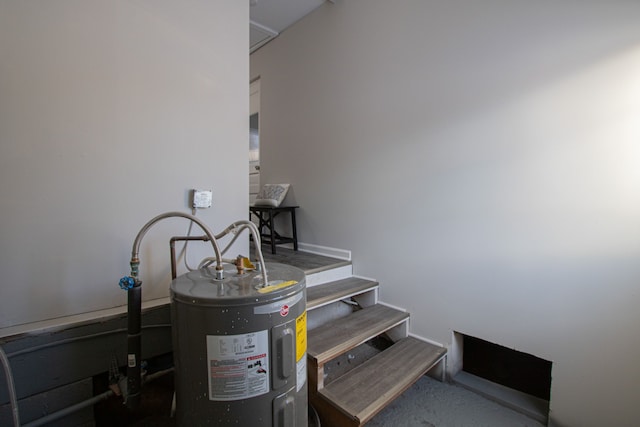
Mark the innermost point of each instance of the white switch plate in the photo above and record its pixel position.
(202, 199)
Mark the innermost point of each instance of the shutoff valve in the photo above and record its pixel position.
(127, 283)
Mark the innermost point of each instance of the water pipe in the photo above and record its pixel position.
(135, 261)
(172, 250)
(241, 226)
(133, 286)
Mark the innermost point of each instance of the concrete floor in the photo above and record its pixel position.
(428, 403)
(431, 403)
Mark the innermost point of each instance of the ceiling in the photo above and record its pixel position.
(268, 18)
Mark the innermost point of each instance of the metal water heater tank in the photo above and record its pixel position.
(240, 348)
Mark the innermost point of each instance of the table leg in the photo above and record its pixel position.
(293, 225)
(273, 234)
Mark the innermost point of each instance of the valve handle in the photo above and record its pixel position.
(127, 283)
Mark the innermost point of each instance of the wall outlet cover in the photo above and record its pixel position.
(202, 199)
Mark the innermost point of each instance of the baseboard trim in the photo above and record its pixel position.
(325, 251)
(418, 337)
(531, 406)
(58, 323)
(392, 306)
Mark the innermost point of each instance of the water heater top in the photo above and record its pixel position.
(200, 287)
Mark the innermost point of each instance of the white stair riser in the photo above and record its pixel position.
(331, 275)
(322, 315)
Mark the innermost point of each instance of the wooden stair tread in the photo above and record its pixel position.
(341, 335)
(320, 295)
(362, 392)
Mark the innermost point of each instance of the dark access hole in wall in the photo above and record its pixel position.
(510, 368)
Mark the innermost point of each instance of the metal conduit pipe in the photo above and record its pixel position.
(13, 399)
(85, 403)
(69, 410)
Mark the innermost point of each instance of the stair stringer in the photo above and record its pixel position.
(343, 307)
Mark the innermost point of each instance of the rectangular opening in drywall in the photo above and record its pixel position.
(519, 380)
(514, 369)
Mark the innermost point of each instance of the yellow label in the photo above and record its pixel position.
(272, 288)
(301, 336)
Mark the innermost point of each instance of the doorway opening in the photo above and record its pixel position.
(254, 140)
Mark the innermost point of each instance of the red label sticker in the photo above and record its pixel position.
(284, 310)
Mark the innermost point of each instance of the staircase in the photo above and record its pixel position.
(360, 356)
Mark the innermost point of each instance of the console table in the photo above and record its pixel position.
(266, 225)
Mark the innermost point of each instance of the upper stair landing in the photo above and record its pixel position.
(318, 268)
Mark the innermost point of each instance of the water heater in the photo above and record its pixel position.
(240, 348)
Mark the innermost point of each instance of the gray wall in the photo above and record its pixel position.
(481, 159)
(110, 111)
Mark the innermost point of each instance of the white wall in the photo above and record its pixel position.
(482, 160)
(110, 111)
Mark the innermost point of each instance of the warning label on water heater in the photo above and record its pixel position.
(301, 350)
(238, 365)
